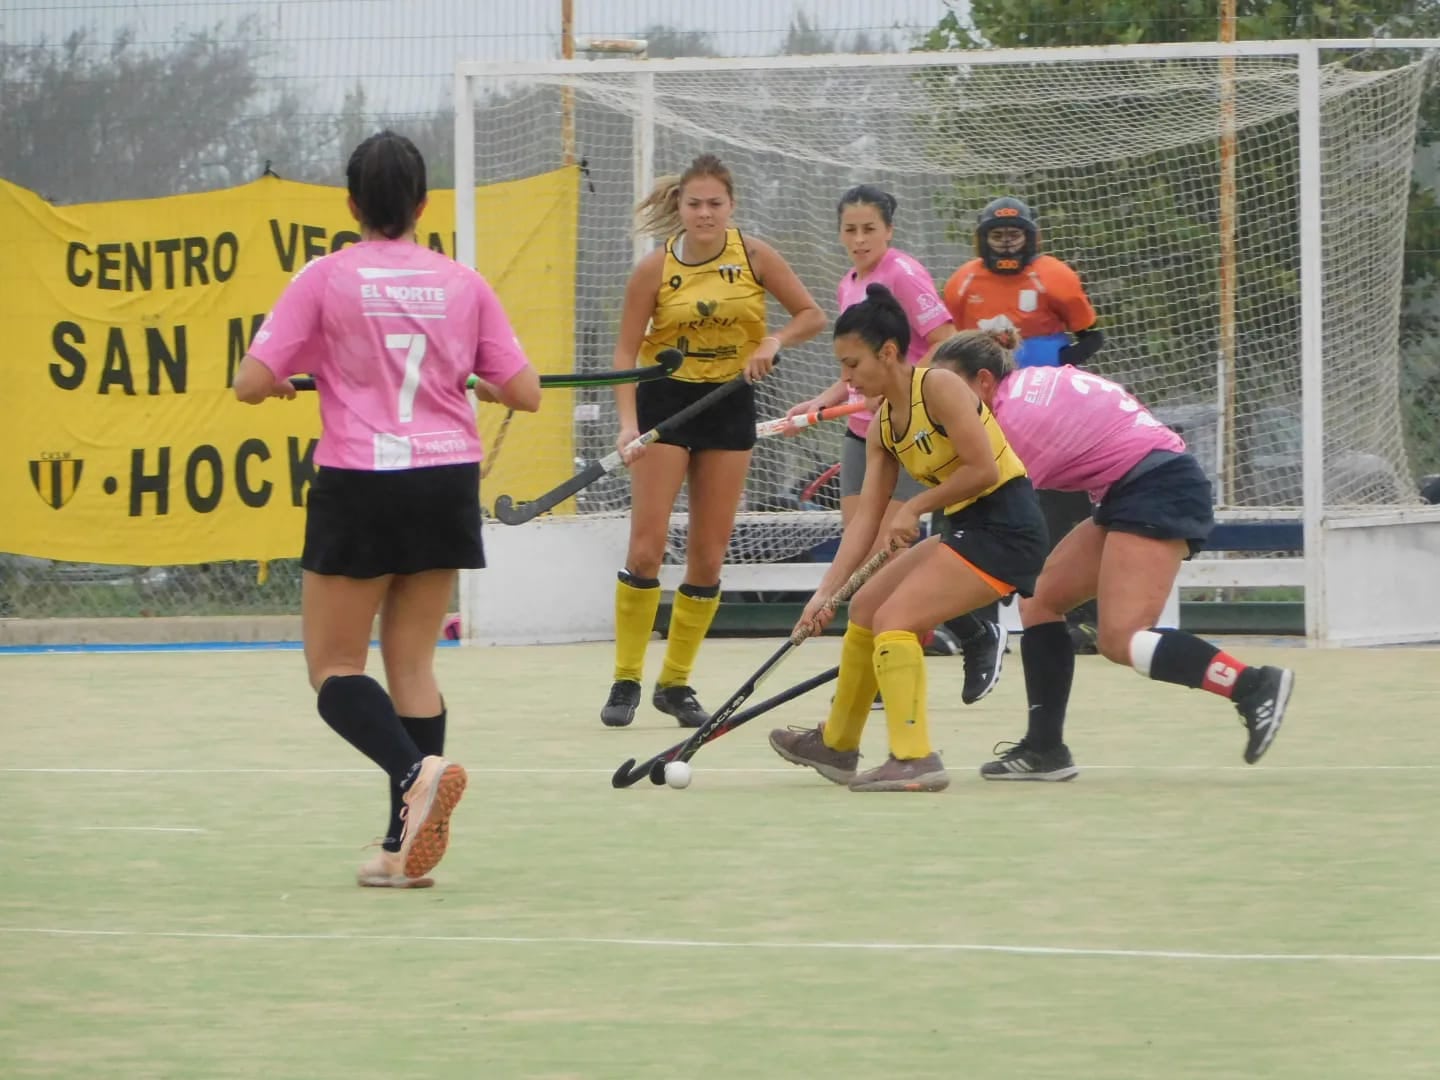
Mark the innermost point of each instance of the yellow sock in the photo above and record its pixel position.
(635, 607)
(690, 619)
(900, 671)
(854, 691)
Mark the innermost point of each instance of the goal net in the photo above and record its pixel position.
(1121, 153)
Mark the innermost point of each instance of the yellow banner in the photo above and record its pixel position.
(124, 323)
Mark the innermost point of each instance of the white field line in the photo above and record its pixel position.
(563, 771)
(786, 946)
(135, 828)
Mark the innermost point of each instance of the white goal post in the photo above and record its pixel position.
(1285, 386)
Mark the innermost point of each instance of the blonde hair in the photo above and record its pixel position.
(658, 214)
(972, 351)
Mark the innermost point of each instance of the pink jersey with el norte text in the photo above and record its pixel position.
(915, 289)
(391, 331)
(1076, 431)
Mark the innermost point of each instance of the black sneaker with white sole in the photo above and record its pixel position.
(1021, 762)
(1261, 702)
(620, 706)
(680, 702)
(983, 654)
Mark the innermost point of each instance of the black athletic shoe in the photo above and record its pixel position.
(983, 655)
(1084, 638)
(1020, 762)
(620, 707)
(1262, 705)
(679, 702)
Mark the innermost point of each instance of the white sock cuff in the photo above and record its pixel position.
(1142, 650)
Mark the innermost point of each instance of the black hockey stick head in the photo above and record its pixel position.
(511, 512)
(628, 775)
(670, 360)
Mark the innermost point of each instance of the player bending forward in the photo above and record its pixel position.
(931, 424)
(1152, 510)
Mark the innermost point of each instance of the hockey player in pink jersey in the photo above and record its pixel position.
(1152, 509)
(391, 330)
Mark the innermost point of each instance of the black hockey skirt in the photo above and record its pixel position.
(363, 524)
(1168, 501)
(727, 425)
(1002, 535)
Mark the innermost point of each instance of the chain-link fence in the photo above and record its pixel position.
(96, 93)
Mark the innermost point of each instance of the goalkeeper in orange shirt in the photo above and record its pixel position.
(1043, 298)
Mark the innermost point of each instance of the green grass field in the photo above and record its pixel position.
(1172, 913)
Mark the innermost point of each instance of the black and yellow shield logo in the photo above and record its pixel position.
(56, 479)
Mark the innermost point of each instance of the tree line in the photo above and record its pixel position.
(85, 122)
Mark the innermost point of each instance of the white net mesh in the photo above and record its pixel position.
(1121, 161)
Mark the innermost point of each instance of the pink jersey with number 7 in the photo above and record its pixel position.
(391, 331)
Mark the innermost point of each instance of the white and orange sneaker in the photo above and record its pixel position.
(386, 870)
(431, 799)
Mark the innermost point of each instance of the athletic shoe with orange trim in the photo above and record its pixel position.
(904, 774)
(386, 870)
(429, 802)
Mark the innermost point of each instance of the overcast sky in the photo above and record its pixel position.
(399, 47)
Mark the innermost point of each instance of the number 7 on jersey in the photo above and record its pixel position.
(414, 346)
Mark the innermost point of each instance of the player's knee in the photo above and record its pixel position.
(1113, 642)
(1038, 609)
(704, 566)
(644, 562)
(321, 669)
(1115, 650)
(861, 610)
(889, 617)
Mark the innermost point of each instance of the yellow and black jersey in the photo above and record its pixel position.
(713, 312)
(927, 454)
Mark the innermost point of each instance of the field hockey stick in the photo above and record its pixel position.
(655, 767)
(767, 428)
(512, 513)
(629, 773)
(665, 364)
(493, 451)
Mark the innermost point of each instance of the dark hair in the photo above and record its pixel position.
(876, 319)
(869, 195)
(386, 178)
(658, 214)
(972, 351)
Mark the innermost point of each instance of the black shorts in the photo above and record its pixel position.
(727, 425)
(1063, 510)
(363, 524)
(1002, 534)
(1171, 501)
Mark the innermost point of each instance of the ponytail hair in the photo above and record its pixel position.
(972, 351)
(658, 214)
(877, 319)
(386, 177)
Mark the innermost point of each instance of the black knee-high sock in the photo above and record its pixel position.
(1049, 660)
(428, 733)
(360, 711)
(1175, 656)
(967, 626)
